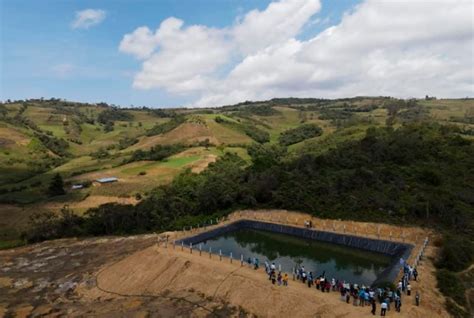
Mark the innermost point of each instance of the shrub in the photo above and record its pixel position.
(451, 286)
(156, 153)
(113, 114)
(457, 253)
(56, 187)
(298, 134)
(163, 128)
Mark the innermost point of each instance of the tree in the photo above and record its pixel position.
(56, 187)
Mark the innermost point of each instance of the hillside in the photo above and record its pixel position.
(84, 142)
(374, 159)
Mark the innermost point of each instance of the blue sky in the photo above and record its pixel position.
(37, 39)
(43, 55)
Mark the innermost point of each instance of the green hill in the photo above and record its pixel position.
(83, 142)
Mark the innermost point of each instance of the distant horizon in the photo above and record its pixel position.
(228, 105)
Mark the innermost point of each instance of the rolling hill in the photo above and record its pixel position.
(83, 142)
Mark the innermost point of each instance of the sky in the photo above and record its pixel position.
(199, 53)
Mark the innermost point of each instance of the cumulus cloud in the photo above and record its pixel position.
(87, 18)
(392, 48)
(279, 22)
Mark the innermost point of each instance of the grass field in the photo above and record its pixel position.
(27, 164)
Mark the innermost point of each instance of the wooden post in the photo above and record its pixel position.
(200, 249)
(241, 260)
(191, 248)
(182, 245)
(231, 257)
(220, 255)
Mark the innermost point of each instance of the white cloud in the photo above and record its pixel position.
(186, 56)
(87, 18)
(277, 23)
(379, 48)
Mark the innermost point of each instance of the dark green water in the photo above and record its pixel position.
(337, 261)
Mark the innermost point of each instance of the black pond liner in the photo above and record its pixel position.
(395, 250)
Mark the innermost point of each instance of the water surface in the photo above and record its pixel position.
(340, 262)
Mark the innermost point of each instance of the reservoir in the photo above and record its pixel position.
(334, 260)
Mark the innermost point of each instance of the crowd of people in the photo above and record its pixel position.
(358, 295)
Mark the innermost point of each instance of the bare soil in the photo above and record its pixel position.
(135, 276)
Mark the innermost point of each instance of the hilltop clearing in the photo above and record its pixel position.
(132, 276)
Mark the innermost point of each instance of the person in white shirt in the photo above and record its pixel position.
(383, 309)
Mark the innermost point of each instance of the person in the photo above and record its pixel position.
(285, 279)
(273, 278)
(374, 307)
(408, 289)
(318, 282)
(383, 309)
(303, 277)
(366, 298)
(249, 261)
(356, 299)
(279, 278)
(371, 294)
(256, 263)
(387, 302)
(361, 297)
(348, 296)
(417, 298)
(415, 274)
(398, 304)
(273, 267)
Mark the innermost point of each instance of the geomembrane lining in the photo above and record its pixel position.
(395, 250)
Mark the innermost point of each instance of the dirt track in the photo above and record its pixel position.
(133, 277)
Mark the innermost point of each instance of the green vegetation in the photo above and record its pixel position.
(402, 175)
(163, 128)
(377, 159)
(56, 187)
(56, 145)
(257, 134)
(450, 285)
(113, 114)
(127, 142)
(298, 134)
(155, 153)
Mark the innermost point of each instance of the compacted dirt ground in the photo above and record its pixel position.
(45, 280)
(136, 277)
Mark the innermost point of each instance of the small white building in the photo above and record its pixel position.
(107, 180)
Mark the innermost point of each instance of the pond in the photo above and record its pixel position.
(340, 262)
